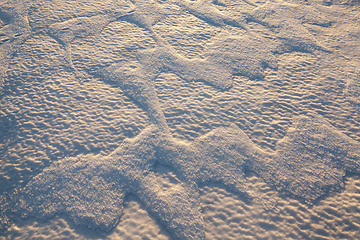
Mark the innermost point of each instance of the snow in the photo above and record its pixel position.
(312, 159)
(13, 34)
(81, 27)
(353, 89)
(205, 10)
(246, 55)
(286, 21)
(309, 160)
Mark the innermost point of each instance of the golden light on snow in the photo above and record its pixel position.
(229, 119)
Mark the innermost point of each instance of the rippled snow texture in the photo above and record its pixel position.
(98, 98)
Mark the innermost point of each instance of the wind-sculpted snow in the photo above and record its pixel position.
(353, 89)
(91, 190)
(137, 83)
(286, 20)
(310, 161)
(81, 27)
(14, 33)
(164, 59)
(246, 55)
(205, 10)
(148, 13)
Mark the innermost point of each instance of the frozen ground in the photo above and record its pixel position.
(180, 119)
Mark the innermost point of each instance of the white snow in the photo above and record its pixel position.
(13, 34)
(353, 89)
(308, 161)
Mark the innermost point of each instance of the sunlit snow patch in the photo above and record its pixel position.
(245, 55)
(286, 20)
(311, 160)
(82, 27)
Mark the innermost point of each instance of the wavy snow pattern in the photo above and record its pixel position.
(353, 89)
(285, 20)
(15, 32)
(311, 160)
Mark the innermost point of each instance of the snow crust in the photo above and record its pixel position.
(246, 56)
(206, 10)
(285, 20)
(166, 59)
(310, 161)
(81, 27)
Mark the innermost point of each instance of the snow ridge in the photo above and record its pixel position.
(311, 160)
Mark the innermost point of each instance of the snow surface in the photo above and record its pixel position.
(14, 33)
(311, 160)
(122, 43)
(353, 89)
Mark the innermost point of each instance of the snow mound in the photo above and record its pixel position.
(245, 55)
(74, 186)
(82, 27)
(206, 10)
(286, 20)
(164, 59)
(311, 160)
